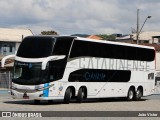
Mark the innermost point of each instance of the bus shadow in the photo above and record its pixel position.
(100, 100)
(31, 102)
(58, 102)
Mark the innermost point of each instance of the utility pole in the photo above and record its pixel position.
(137, 36)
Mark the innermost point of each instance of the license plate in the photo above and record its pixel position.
(25, 97)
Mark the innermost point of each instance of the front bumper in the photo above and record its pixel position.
(39, 95)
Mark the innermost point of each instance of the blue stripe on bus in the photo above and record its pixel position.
(46, 91)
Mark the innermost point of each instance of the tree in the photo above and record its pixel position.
(52, 32)
(107, 37)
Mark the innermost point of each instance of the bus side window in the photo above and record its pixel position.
(79, 49)
(62, 46)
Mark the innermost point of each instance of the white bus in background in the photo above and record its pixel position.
(66, 67)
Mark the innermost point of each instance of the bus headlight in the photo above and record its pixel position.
(41, 95)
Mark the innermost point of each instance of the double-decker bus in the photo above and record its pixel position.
(67, 67)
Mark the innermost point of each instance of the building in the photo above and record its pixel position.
(10, 39)
(156, 39)
(144, 37)
(158, 60)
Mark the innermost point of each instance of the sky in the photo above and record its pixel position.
(80, 16)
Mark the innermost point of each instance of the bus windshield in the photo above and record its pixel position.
(34, 47)
(29, 73)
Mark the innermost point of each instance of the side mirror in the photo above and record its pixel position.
(51, 58)
(5, 58)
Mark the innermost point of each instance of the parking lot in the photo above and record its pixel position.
(150, 103)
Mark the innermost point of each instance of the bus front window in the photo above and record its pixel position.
(29, 73)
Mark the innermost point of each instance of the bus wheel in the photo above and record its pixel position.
(68, 96)
(80, 95)
(130, 95)
(36, 101)
(138, 94)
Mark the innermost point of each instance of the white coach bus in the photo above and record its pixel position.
(66, 67)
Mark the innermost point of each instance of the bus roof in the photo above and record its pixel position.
(94, 40)
(116, 43)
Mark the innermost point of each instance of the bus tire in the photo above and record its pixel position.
(138, 94)
(130, 95)
(81, 95)
(68, 95)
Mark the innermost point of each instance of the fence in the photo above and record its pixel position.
(5, 80)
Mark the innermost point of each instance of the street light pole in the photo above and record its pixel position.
(144, 23)
(137, 35)
(139, 31)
